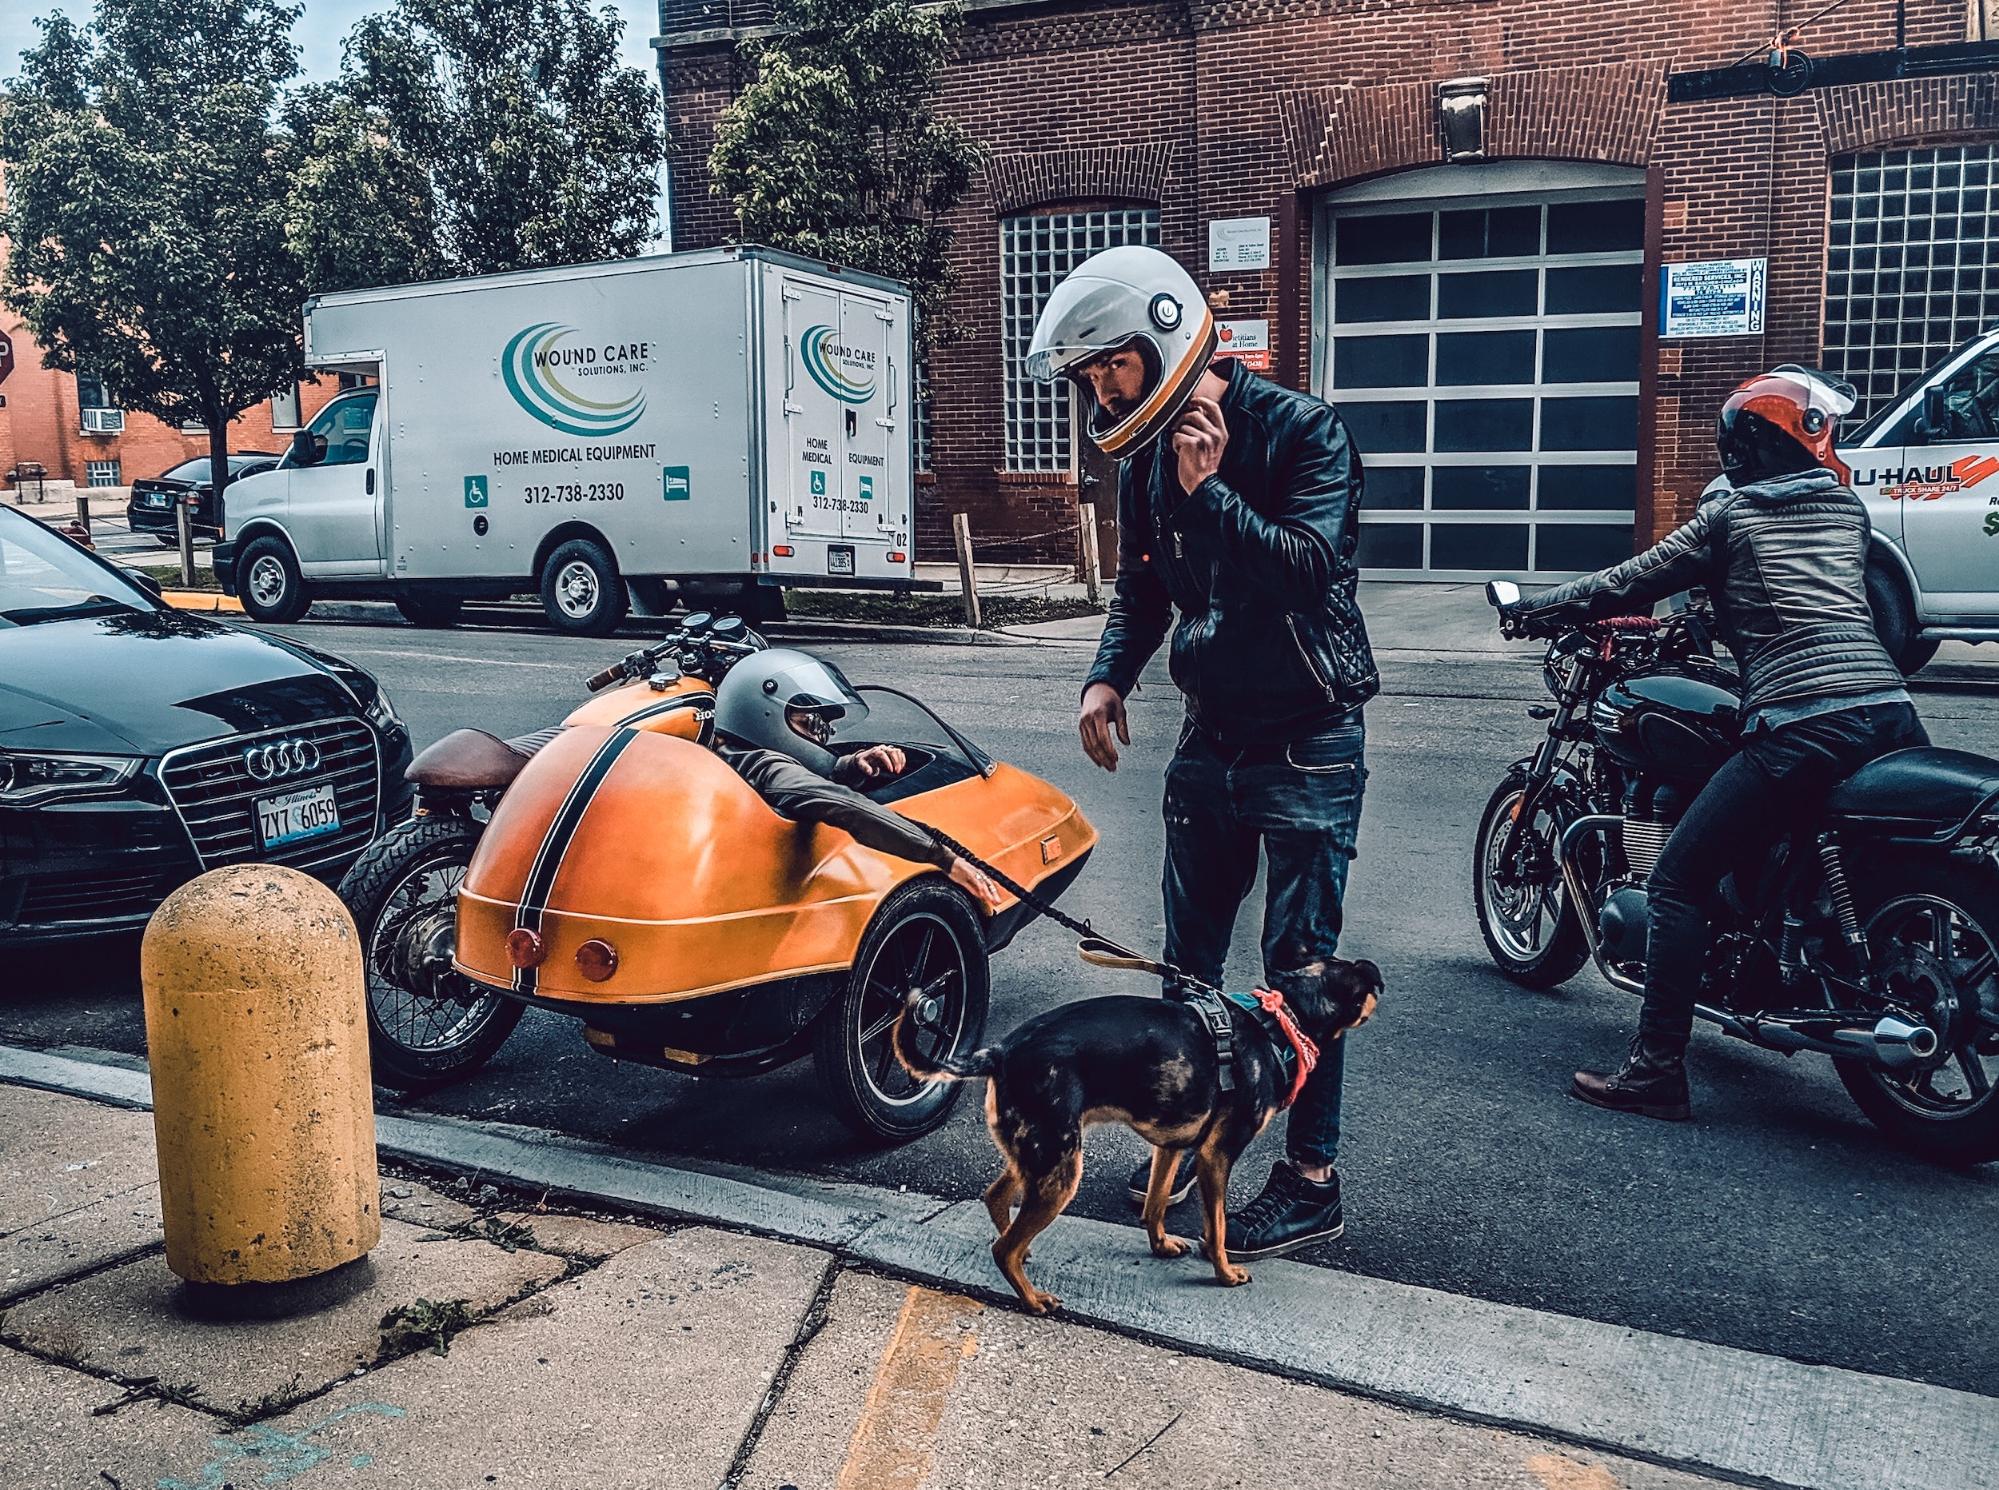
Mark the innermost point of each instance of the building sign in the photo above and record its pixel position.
(1246, 341)
(1239, 243)
(6, 357)
(1722, 297)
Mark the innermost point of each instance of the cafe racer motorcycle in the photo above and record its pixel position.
(1869, 934)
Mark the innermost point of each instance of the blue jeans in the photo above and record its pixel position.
(1301, 804)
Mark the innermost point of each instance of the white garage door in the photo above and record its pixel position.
(1478, 328)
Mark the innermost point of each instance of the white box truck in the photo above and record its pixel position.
(715, 424)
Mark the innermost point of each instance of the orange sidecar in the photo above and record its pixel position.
(636, 881)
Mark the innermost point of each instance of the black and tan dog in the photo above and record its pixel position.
(1152, 1065)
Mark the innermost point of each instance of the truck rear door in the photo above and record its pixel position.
(844, 482)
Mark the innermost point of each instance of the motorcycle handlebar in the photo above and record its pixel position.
(606, 678)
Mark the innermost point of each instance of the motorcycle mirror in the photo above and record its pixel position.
(1501, 592)
(696, 621)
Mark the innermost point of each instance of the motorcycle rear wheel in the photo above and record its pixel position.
(1530, 931)
(1936, 917)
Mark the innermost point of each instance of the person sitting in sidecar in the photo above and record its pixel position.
(774, 723)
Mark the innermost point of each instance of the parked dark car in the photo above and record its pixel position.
(151, 508)
(140, 745)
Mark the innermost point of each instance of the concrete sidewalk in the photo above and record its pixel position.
(502, 1342)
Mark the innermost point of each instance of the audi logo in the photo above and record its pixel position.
(280, 758)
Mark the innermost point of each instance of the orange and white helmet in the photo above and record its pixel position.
(1781, 421)
(1127, 297)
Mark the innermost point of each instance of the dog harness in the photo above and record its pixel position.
(1297, 1052)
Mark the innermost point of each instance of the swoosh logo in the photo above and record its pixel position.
(827, 373)
(530, 371)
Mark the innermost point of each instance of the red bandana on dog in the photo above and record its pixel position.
(1302, 1043)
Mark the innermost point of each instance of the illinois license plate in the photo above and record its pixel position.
(296, 816)
(840, 558)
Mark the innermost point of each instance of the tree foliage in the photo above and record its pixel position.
(472, 136)
(145, 206)
(833, 151)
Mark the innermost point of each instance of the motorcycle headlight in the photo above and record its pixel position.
(28, 777)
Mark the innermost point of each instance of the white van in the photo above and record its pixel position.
(716, 424)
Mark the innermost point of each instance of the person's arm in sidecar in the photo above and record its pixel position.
(801, 794)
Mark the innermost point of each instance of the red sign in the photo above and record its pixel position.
(6, 357)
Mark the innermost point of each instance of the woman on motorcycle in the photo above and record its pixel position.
(1783, 556)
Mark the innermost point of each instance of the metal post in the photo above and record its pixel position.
(1086, 535)
(961, 536)
(184, 529)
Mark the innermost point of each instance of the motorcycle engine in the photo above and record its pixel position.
(1651, 811)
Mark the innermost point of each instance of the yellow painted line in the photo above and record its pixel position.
(202, 600)
(893, 1442)
(1559, 1472)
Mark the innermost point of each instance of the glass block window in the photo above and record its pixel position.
(1912, 266)
(1036, 251)
(1483, 351)
(102, 473)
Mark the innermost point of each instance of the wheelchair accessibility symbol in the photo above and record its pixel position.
(475, 491)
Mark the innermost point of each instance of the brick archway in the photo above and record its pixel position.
(1911, 111)
(1345, 133)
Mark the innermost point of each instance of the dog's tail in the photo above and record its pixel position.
(981, 1062)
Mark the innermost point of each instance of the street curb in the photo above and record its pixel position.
(1685, 1404)
(208, 601)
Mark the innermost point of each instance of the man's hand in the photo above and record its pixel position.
(1199, 439)
(967, 876)
(879, 760)
(1103, 712)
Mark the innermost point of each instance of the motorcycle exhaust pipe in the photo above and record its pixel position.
(1891, 1043)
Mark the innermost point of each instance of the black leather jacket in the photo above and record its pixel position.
(1785, 562)
(1259, 562)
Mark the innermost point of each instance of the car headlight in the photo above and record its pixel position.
(380, 712)
(31, 776)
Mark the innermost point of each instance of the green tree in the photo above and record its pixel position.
(472, 136)
(144, 213)
(834, 151)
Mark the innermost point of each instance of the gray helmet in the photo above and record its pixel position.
(767, 697)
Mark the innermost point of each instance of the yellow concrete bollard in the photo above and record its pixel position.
(257, 1033)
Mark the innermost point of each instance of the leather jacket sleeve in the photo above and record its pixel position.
(801, 794)
(1293, 554)
(1679, 561)
(1141, 610)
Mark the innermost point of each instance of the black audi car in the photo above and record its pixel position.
(151, 507)
(140, 745)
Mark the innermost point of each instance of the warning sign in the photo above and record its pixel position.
(1721, 297)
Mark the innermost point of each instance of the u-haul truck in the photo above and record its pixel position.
(715, 423)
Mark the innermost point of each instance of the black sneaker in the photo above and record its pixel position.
(1141, 1178)
(1292, 1212)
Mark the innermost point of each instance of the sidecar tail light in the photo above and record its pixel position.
(597, 960)
(525, 949)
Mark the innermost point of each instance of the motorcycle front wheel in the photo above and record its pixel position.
(1932, 928)
(1523, 909)
(428, 1025)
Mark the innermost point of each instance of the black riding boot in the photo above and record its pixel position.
(1652, 1081)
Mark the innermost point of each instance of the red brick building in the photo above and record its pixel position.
(1468, 206)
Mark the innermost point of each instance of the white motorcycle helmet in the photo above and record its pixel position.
(1130, 296)
(787, 701)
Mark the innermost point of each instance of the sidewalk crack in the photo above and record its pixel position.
(808, 1328)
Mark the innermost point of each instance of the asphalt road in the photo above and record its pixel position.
(1777, 1221)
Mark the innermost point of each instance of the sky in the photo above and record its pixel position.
(319, 30)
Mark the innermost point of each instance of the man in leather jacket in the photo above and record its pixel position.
(1783, 555)
(1240, 514)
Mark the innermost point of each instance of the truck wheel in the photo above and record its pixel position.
(1895, 621)
(430, 610)
(268, 583)
(582, 591)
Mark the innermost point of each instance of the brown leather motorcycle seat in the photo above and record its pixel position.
(472, 760)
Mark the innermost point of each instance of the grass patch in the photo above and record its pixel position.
(167, 577)
(423, 1324)
(932, 610)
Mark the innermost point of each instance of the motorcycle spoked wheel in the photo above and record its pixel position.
(1933, 935)
(427, 1025)
(1530, 929)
